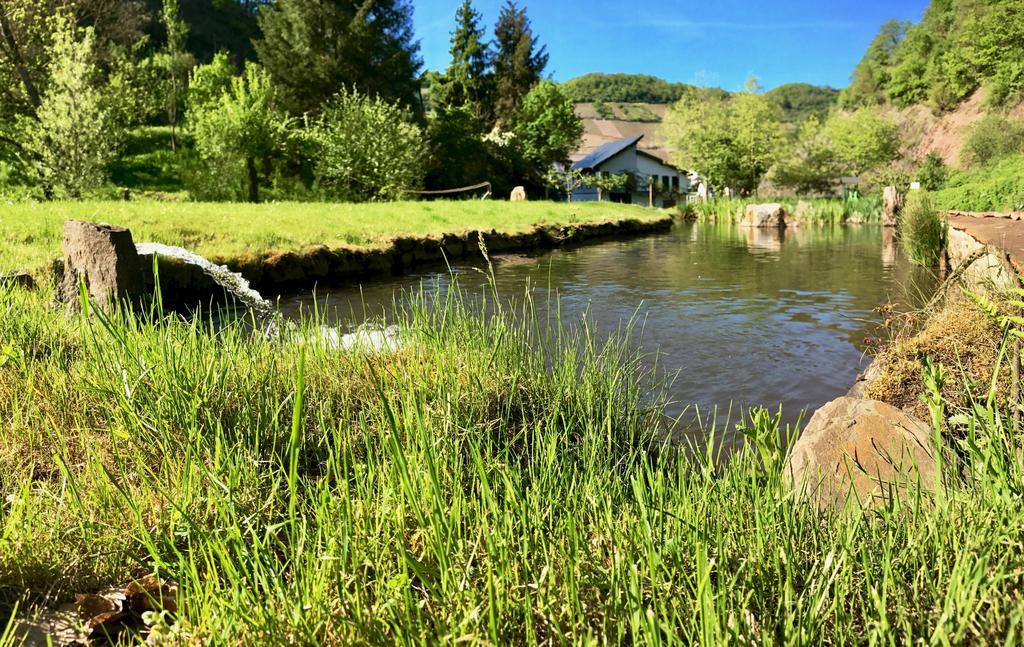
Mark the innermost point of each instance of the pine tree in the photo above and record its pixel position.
(313, 48)
(519, 63)
(467, 81)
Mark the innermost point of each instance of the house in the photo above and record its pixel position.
(654, 182)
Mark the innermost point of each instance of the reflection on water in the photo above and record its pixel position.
(739, 317)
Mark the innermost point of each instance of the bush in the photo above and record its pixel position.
(932, 173)
(998, 187)
(366, 149)
(991, 139)
(923, 229)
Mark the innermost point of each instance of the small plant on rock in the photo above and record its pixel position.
(923, 230)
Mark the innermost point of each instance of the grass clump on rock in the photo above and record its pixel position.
(922, 230)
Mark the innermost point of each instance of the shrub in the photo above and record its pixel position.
(76, 134)
(923, 229)
(992, 138)
(932, 173)
(998, 187)
(366, 149)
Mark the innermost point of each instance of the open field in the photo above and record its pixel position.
(30, 233)
(496, 481)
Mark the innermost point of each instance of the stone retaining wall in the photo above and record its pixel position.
(990, 266)
(282, 271)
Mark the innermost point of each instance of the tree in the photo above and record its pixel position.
(467, 82)
(607, 183)
(932, 172)
(207, 83)
(547, 128)
(311, 48)
(519, 62)
(731, 143)
(870, 80)
(367, 149)
(458, 154)
(812, 166)
(862, 140)
(562, 178)
(73, 136)
(242, 125)
(176, 63)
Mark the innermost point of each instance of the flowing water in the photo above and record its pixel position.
(738, 317)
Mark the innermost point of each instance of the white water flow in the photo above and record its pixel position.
(233, 282)
(365, 339)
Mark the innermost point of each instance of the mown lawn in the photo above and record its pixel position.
(30, 233)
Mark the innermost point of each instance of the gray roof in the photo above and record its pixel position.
(604, 153)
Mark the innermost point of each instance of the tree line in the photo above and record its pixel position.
(323, 99)
(745, 139)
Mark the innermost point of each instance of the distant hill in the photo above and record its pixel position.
(628, 88)
(802, 100)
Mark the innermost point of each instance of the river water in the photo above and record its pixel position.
(737, 317)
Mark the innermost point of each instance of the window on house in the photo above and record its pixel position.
(675, 182)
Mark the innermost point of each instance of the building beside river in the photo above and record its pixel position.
(653, 181)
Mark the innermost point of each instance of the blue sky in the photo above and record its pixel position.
(716, 43)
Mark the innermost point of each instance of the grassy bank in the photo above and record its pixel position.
(997, 187)
(496, 481)
(30, 232)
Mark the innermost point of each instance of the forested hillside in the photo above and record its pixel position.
(958, 47)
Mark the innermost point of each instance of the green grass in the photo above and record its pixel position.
(997, 187)
(922, 229)
(814, 210)
(500, 480)
(30, 233)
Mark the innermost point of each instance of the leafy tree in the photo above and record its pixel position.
(519, 62)
(242, 125)
(73, 136)
(731, 143)
(862, 140)
(467, 82)
(871, 76)
(608, 183)
(932, 172)
(207, 83)
(812, 166)
(547, 128)
(368, 149)
(565, 179)
(311, 48)
(176, 62)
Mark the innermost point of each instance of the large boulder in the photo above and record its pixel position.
(860, 448)
(892, 206)
(765, 215)
(105, 257)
